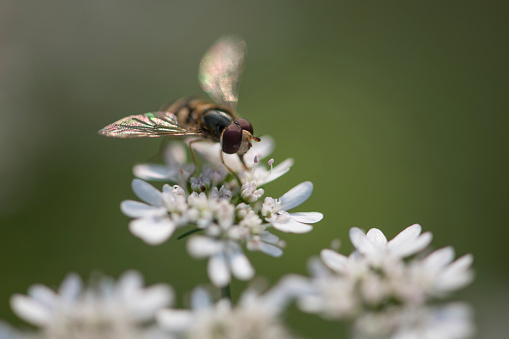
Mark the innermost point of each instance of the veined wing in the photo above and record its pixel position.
(148, 125)
(221, 68)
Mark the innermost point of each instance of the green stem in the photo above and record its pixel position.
(226, 293)
(189, 233)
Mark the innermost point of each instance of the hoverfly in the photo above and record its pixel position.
(217, 121)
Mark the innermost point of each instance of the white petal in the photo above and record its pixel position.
(333, 260)
(175, 320)
(260, 149)
(270, 249)
(307, 217)
(269, 237)
(462, 263)
(285, 291)
(211, 153)
(291, 226)
(151, 171)
(317, 268)
(240, 265)
(200, 247)
(413, 246)
(361, 242)
(439, 258)
(218, 271)
(129, 282)
(310, 303)
(376, 237)
(175, 154)
(43, 295)
(457, 274)
(451, 282)
(411, 232)
(71, 287)
(30, 310)
(276, 172)
(147, 192)
(200, 299)
(153, 231)
(136, 209)
(8, 332)
(150, 301)
(296, 195)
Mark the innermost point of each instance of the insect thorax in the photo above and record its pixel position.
(214, 122)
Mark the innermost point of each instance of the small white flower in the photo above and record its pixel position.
(222, 193)
(333, 297)
(200, 184)
(176, 169)
(225, 259)
(104, 310)
(159, 215)
(436, 275)
(374, 244)
(275, 210)
(249, 191)
(256, 316)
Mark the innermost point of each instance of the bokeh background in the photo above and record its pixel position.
(396, 111)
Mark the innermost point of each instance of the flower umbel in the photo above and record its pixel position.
(104, 309)
(255, 315)
(226, 212)
(384, 286)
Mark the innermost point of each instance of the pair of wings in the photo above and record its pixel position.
(219, 75)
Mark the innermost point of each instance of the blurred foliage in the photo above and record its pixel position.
(396, 111)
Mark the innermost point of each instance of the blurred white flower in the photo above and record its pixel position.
(275, 210)
(226, 258)
(449, 321)
(374, 245)
(435, 275)
(255, 316)
(333, 297)
(105, 309)
(9, 332)
(380, 287)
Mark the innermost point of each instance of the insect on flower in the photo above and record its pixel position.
(217, 121)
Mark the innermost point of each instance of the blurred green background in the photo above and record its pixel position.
(396, 111)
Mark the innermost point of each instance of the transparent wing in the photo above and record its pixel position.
(221, 68)
(147, 125)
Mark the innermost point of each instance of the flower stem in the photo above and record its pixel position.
(226, 293)
(189, 233)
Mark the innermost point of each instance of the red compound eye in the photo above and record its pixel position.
(246, 125)
(232, 138)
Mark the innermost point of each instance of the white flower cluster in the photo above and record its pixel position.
(385, 286)
(386, 289)
(124, 309)
(228, 213)
(254, 316)
(105, 309)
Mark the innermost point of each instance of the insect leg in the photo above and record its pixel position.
(194, 156)
(229, 169)
(241, 157)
